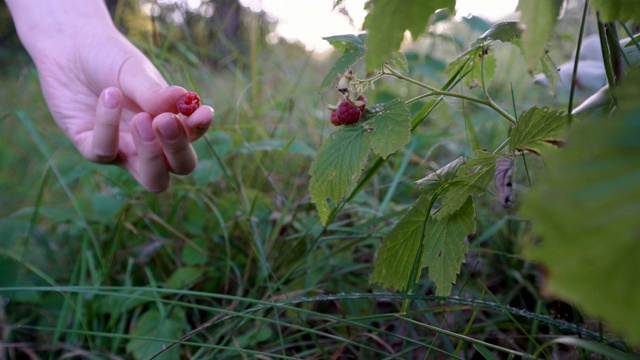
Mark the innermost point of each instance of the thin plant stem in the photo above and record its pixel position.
(608, 61)
(585, 12)
(437, 92)
(502, 146)
(631, 37)
(513, 103)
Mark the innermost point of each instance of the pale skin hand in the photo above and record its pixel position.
(105, 94)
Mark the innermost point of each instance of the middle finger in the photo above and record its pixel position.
(178, 151)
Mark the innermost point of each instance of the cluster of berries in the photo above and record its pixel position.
(351, 105)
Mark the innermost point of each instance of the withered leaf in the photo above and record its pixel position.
(502, 181)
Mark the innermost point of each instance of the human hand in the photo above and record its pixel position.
(116, 108)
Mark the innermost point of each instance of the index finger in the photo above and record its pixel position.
(104, 141)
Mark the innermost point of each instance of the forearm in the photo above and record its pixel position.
(43, 25)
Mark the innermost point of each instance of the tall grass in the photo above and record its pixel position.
(232, 261)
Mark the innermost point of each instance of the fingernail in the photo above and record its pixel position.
(145, 131)
(172, 88)
(112, 98)
(170, 129)
(205, 124)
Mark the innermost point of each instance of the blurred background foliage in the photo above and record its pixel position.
(102, 264)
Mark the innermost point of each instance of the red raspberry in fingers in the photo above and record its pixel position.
(188, 103)
(348, 113)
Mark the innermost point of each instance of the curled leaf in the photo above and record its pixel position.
(502, 181)
(443, 175)
(506, 31)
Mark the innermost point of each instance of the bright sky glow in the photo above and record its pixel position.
(308, 21)
(492, 10)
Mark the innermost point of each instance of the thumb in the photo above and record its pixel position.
(141, 82)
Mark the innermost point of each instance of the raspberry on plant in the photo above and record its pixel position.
(343, 83)
(188, 103)
(334, 118)
(348, 113)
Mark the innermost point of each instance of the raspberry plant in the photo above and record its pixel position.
(387, 127)
(432, 231)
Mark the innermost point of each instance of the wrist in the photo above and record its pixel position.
(48, 26)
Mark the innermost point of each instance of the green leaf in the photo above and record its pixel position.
(400, 247)
(607, 351)
(550, 70)
(353, 50)
(472, 134)
(486, 353)
(399, 61)
(152, 325)
(441, 241)
(106, 206)
(345, 41)
(445, 174)
(459, 179)
(539, 18)
(585, 209)
(252, 337)
(617, 10)
(474, 176)
(13, 274)
(389, 19)
(338, 166)
(340, 160)
(471, 63)
(537, 128)
(506, 31)
(184, 277)
(509, 31)
(122, 304)
(207, 171)
(11, 229)
(291, 147)
(444, 246)
(58, 215)
(389, 127)
(218, 141)
(192, 256)
(221, 142)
